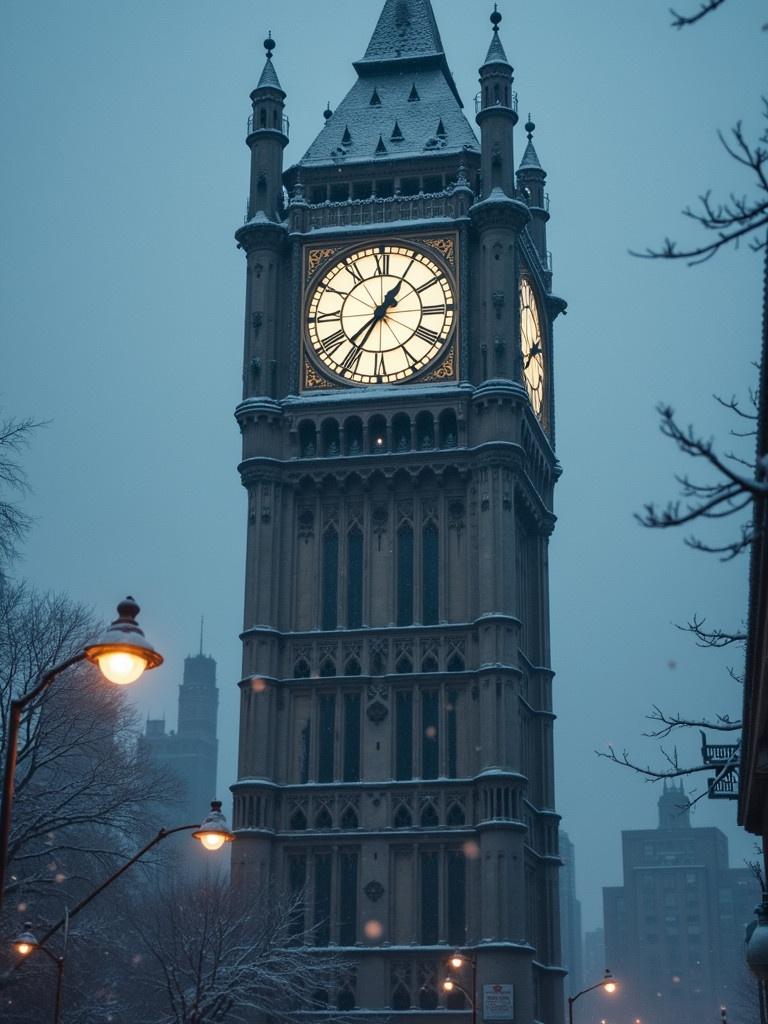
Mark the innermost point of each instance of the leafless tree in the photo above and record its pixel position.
(735, 484)
(205, 955)
(15, 435)
(82, 792)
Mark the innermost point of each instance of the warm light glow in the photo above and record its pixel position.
(211, 840)
(24, 948)
(456, 961)
(610, 986)
(448, 985)
(121, 667)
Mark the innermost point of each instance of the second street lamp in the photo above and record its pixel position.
(122, 653)
(26, 944)
(607, 983)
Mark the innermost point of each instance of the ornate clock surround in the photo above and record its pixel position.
(442, 248)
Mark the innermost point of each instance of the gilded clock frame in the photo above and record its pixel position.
(316, 259)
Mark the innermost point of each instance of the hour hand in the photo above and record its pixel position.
(389, 298)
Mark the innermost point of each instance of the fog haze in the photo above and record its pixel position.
(121, 310)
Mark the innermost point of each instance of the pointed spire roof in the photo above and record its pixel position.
(406, 28)
(496, 54)
(403, 80)
(406, 34)
(269, 79)
(530, 161)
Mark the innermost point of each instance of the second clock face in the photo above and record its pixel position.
(531, 343)
(380, 314)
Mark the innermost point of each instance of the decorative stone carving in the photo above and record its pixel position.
(377, 711)
(374, 891)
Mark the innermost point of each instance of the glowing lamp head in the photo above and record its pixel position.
(213, 831)
(123, 653)
(448, 985)
(609, 982)
(456, 961)
(26, 941)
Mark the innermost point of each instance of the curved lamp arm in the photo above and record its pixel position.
(162, 834)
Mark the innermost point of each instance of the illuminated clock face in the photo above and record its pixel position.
(532, 346)
(380, 314)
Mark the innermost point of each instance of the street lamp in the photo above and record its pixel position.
(122, 653)
(607, 983)
(457, 961)
(213, 832)
(25, 944)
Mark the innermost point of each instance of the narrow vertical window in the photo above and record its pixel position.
(329, 617)
(405, 575)
(304, 753)
(456, 897)
(351, 737)
(430, 897)
(450, 729)
(348, 898)
(355, 579)
(322, 922)
(297, 880)
(404, 735)
(325, 744)
(430, 746)
(430, 575)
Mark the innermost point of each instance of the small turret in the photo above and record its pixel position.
(267, 138)
(531, 178)
(497, 116)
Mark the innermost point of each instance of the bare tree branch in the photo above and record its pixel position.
(739, 216)
(705, 8)
(711, 637)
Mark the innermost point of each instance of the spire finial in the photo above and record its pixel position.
(328, 113)
(202, 621)
(495, 18)
(269, 45)
(530, 128)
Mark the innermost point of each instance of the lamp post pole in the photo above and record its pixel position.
(456, 961)
(11, 754)
(605, 983)
(122, 653)
(216, 827)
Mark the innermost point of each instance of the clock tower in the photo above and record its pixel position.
(395, 767)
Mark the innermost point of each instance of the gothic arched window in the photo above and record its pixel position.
(329, 615)
(351, 737)
(323, 820)
(405, 575)
(430, 575)
(455, 816)
(349, 819)
(301, 669)
(401, 997)
(429, 817)
(354, 578)
(298, 820)
(402, 817)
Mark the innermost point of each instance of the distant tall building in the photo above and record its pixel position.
(674, 931)
(570, 917)
(594, 956)
(191, 752)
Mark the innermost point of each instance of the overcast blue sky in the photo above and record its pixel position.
(121, 307)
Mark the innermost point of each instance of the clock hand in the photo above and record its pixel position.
(369, 324)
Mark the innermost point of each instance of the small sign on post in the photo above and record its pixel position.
(498, 1002)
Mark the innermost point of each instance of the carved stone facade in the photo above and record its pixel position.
(396, 762)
